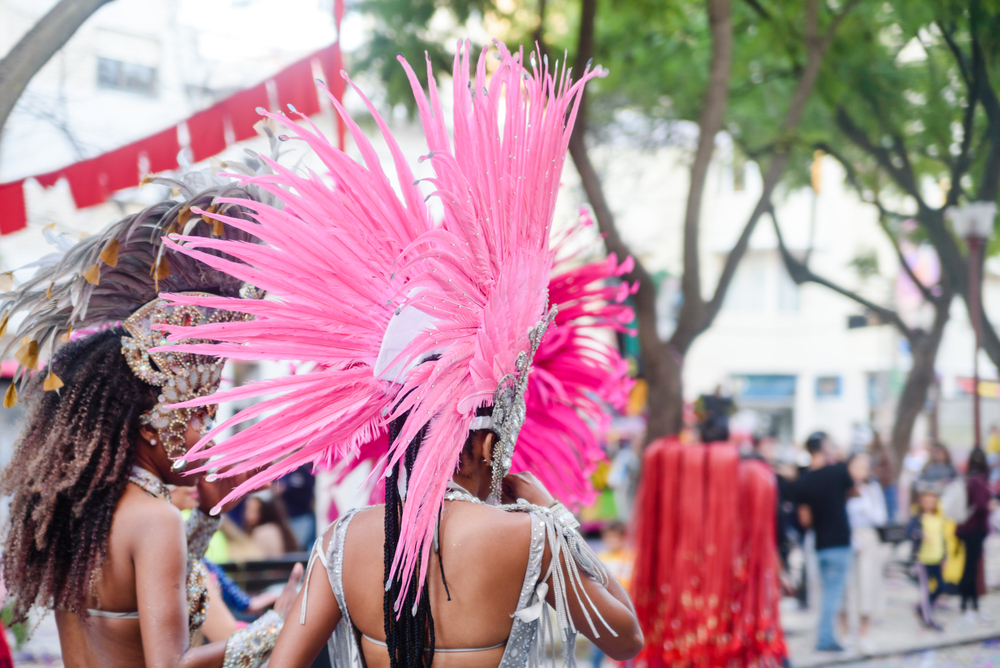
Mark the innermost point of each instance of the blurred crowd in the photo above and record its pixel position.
(267, 524)
(845, 516)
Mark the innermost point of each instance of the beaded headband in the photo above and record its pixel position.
(180, 376)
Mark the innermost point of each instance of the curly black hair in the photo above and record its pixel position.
(70, 467)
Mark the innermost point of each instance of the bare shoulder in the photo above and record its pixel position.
(142, 516)
(368, 522)
(500, 531)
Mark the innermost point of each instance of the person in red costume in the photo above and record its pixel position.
(705, 583)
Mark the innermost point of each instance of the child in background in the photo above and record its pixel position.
(619, 560)
(927, 530)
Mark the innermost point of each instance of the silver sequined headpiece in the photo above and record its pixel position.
(509, 409)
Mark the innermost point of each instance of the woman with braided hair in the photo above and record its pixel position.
(421, 336)
(92, 532)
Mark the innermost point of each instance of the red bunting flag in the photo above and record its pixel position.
(94, 180)
(12, 213)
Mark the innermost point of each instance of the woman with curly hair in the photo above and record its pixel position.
(92, 532)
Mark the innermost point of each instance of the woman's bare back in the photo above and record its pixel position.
(485, 556)
(101, 642)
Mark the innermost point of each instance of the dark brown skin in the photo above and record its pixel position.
(146, 570)
(485, 553)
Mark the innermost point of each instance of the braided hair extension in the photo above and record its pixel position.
(407, 635)
(69, 469)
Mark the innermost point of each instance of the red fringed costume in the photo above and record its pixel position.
(706, 575)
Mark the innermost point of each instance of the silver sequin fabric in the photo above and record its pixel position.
(526, 647)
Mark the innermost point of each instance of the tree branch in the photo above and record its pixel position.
(960, 57)
(924, 290)
(964, 159)
(906, 180)
(816, 47)
(990, 179)
(884, 215)
(39, 45)
(709, 123)
(801, 273)
(539, 32)
(759, 8)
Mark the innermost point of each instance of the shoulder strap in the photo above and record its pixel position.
(334, 553)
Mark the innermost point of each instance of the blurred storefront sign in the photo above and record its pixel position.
(987, 388)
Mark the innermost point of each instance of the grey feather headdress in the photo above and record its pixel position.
(107, 277)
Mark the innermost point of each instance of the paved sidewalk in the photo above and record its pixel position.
(977, 655)
(898, 632)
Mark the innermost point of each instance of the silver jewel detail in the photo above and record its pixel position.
(509, 409)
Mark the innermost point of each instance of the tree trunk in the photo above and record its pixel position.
(39, 45)
(654, 355)
(924, 348)
(666, 399)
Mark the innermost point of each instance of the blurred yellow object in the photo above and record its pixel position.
(637, 398)
(816, 171)
(218, 545)
(954, 560)
(599, 477)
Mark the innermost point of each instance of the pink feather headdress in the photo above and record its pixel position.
(401, 317)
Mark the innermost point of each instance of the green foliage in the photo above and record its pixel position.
(865, 264)
(902, 79)
(20, 630)
(897, 75)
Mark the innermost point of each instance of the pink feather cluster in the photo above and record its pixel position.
(339, 261)
(574, 379)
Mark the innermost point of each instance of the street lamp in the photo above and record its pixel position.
(974, 223)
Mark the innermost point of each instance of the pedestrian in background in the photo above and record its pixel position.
(885, 474)
(823, 491)
(973, 531)
(298, 491)
(993, 447)
(939, 469)
(619, 561)
(866, 510)
(265, 520)
(926, 530)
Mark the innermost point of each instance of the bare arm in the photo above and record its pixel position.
(611, 602)
(160, 559)
(299, 644)
(219, 622)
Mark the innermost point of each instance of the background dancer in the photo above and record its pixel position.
(92, 532)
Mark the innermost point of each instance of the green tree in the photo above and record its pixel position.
(697, 56)
(912, 112)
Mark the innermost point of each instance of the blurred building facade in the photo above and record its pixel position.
(802, 357)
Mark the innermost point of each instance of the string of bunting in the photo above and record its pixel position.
(211, 130)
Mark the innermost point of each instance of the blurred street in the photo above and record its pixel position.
(898, 639)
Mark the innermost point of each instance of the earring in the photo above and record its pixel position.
(152, 441)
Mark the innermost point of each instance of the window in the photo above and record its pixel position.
(765, 387)
(827, 387)
(748, 291)
(119, 75)
(788, 290)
